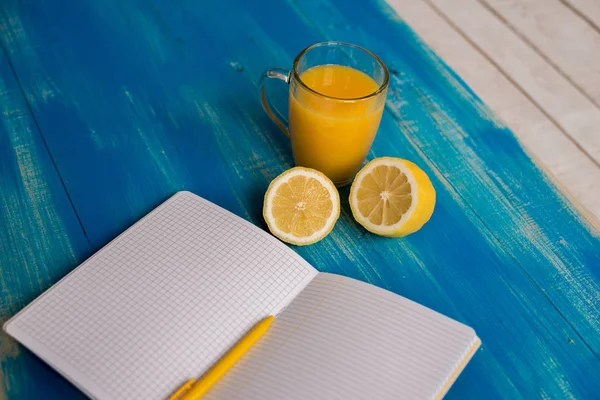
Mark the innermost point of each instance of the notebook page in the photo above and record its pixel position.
(162, 302)
(345, 339)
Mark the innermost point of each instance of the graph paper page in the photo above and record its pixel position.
(162, 302)
(345, 339)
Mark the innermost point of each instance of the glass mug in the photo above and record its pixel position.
(336, 99)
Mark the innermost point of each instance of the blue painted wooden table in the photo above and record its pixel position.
(109, 107)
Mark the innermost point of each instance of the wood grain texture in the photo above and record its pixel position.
(573, 112)
(589, 10)
(137, 100)
(488, 77)
(558, 34)
(40, 237)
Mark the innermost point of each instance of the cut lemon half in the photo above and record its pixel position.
(392, 197)
(301, 206)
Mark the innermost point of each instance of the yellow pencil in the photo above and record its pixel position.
(193, 390)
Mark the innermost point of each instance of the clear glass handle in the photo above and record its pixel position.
(272, 112)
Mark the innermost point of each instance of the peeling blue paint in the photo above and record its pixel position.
(136, 100)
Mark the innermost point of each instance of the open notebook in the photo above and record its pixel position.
(166, 299)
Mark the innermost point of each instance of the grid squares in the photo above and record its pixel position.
(345, 339)
(166, 299)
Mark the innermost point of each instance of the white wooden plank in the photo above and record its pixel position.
(586, 9)
(552, 92)
(560, 35)
(572, 168)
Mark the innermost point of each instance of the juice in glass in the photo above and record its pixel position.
(332, 125)
(336, 99)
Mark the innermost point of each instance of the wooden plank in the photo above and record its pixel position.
(40, 239)
(576, 115)
(589, 10)
(544, 138)
(560, 35)
(163, 102)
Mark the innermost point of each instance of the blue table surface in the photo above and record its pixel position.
(109, 107)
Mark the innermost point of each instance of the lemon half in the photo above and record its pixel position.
(301, 206)
(392, 197)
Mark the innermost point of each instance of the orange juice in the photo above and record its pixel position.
(332, 130)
